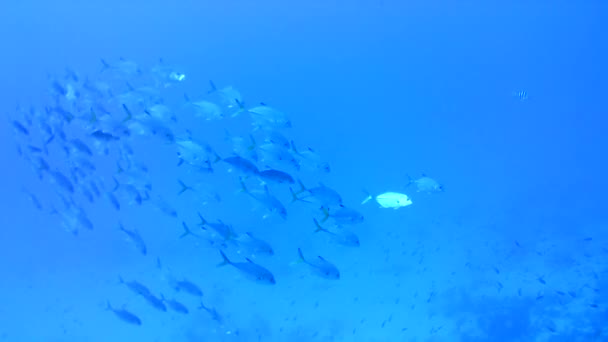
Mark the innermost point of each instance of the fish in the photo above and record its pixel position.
(276, 176)
(224, 230)
(268, 118)
(425, 184)
(342, 237)
(322, 194)
(155, 302)
(243, 165)
(186, 286)
(175, 305)
(254, 245)
(269, 201)
(124, 315)
(250, 269)
(320, 266)
(342, 215)
(135, 238)
(135, 286)
(393, 200)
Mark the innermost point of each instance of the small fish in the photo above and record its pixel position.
(135, 286)
(251, 270)
(155, 302)
(187, 286)
(81, 147)
(521, 95)
(136, 239)
(425, 184)
(254, 245)
(20, 128)
(124, 315)
(224, 230)
(212, 311)
(113, 200)
(175, 305)
(276, 176)
(320, 267)
(342, 215)
(322, 194)
(242, 164)
(61, 180)
(342, 237)
(271, 203)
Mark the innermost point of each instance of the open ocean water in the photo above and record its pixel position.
(322, 170)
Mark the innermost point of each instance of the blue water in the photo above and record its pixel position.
(500, 103)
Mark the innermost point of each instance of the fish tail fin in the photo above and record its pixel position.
(187, 98)
(367, 198)
(241, 107)
(410, 180)
(319, 228)
(186, 232)
(294, 196)
(225, 260)
(104, 65)
(93, 118)
(116, 184)
(109, 306)
(293, 147)
(203, 222)
(325, 213)
(300, 256)
(243, 186)
(302, 187)
(129, 114)
(212, 87)
(184, 187)
(217, 158)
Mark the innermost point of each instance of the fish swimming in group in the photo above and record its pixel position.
(251, 270)
(320, 266)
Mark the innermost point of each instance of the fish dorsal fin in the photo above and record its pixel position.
(320, 258)
(266, 190)
(249, 260)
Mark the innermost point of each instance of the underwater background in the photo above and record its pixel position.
(440, 166)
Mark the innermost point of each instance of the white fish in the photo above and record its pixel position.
(389, 199)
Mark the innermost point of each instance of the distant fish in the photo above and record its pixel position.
(124, 315)
(175, 305)
(272, 204)
(342, 237)
(320, 266)
(251, 270)
(186, 286)
(243, 165)
(254, 245)
(342, 215)
(276, 176)
(136, 239)
(425, 184)
(521, 95)
(135, 286)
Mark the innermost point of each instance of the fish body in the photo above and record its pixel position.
(393, 200)
(276, 176)
(124, 315)
(321, 267)
(136, 239)
(251, 270)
